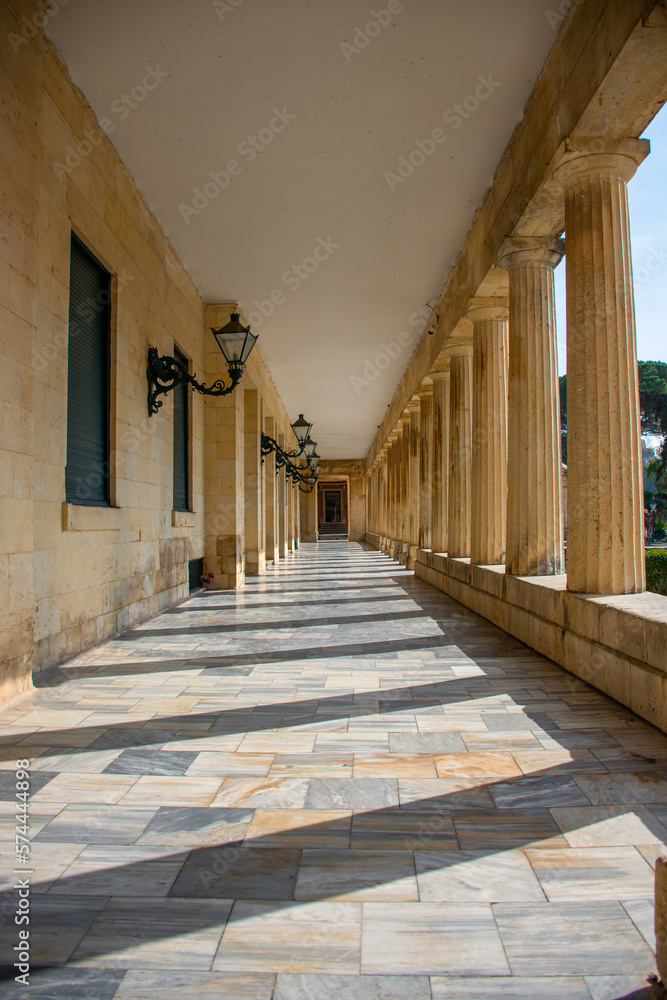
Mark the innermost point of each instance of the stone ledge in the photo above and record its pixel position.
(617, 643)
(183, 519)
(79, 517)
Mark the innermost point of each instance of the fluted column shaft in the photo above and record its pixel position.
(425, 465)
(460, 450)
(489, 434)
(413, 465)
(534, 515)
(605, 495)
(383, 492)
(441, 450)
(394, 495)
(405, 477)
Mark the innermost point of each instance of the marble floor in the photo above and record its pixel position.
(336, 783)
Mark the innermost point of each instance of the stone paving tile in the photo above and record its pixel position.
(304, 987)
(38, 781)
(430, 939)
(239, 873)
(151, 762)
(400, 829)
(352, 793)
(318, 937)
(357, 875)
(299, 828)
(57, 925)
(609, 826)
(263, 793)
(476, 876)
(592, 873)
(510, 988)
(173, 985)
(98, 824)
(571, 939)
(69, 786)
(160, 790)
(120, 871)
(607, 789)
(209, 759)
(195, 826)
(66, 984)
(155, 934)
(618, 988)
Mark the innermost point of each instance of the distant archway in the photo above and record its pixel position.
(332, 509)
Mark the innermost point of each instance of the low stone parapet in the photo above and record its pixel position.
(618, 644)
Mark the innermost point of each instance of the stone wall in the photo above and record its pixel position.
(72, 575)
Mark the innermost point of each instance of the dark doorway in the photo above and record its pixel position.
(332, 505)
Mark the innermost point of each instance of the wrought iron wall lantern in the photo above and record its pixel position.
(303, 476)
(164, 373)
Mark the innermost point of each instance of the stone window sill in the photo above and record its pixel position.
(183, 519)
(77, 517)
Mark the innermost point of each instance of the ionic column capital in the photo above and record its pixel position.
(530, 251)
(425, 390)
(482, 308)
(413, 406)
(595, 155)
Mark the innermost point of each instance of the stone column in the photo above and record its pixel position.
(400, 472)
(605, 534)
(414, 454)
(534, 515)
(255, 560)
(489, 430)
(308, 515)
(283, 487)
(271, 497)
(405, 480)
(425, 394)
(297, 517)
(224, 520)
(384, 490)
(460, 450)
(440, 374)
(393, 492)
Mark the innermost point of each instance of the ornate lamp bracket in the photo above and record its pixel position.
(164, 373)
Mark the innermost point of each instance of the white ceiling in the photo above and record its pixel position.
(322, 177)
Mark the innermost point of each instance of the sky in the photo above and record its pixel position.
(647, 196)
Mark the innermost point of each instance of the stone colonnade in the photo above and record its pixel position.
(473, 466)
(252, 514)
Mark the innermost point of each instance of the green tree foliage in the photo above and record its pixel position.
(652, 402)
(656, 571)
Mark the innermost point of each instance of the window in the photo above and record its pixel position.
(181, 499)
(88, 369)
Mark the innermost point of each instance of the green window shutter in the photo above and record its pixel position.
(88, 366)
(181, 500)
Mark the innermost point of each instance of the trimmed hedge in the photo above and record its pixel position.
(656, 571)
